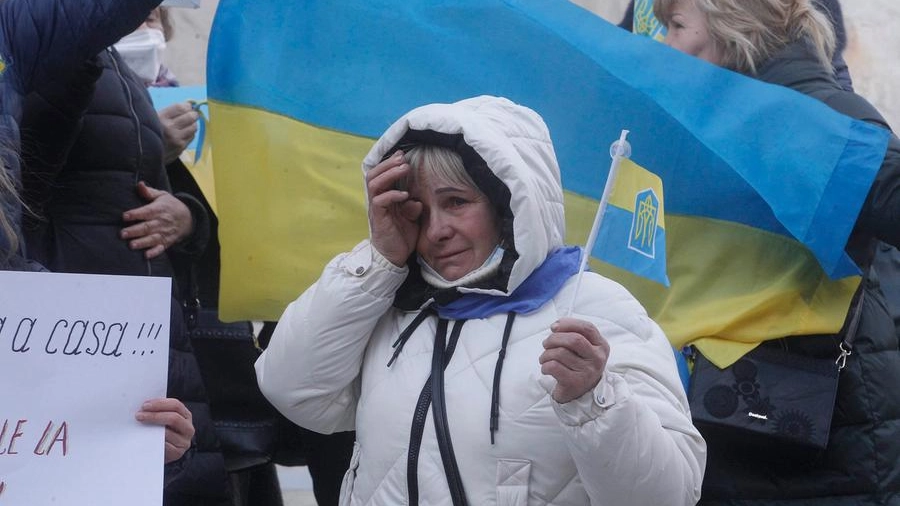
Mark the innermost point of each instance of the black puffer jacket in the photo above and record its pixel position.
(87, 141)
(860, 465)
(80, 182)
(41, 40)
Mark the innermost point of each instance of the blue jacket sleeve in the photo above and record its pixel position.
(48, 38)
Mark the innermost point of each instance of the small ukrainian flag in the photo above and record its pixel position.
(632, 235)
(645, 23)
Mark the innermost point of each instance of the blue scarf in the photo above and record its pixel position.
(541, 286)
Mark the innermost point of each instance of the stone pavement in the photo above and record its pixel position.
(296, 486)
(299, 498)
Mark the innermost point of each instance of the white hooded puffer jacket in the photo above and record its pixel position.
(628, 442)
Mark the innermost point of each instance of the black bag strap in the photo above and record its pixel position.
(265, 333)
(190, 297)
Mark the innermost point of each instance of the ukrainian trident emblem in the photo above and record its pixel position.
(644, 222)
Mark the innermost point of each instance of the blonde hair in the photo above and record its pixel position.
(8, 193)
(750, 32)
(440, 163)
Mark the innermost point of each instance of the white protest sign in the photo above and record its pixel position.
(79, 354)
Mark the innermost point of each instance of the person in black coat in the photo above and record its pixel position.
(41, 40)
(793, 48)
(102, 204)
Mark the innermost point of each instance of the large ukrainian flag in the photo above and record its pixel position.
(763, 185)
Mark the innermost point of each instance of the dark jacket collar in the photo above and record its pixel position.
(797, 67)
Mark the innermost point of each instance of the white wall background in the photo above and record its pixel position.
(873, 51)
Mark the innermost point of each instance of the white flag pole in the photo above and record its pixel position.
(619, 149)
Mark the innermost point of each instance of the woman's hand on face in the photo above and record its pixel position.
(162, 223)
(575, 355)
(176, 418)
(393, 216)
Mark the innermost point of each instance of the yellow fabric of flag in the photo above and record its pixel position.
(285, 207)
(752, 283)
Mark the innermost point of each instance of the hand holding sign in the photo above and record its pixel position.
(175, 417)
(81, 355)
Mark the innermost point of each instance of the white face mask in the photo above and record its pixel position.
(142, 51)
(488, 268)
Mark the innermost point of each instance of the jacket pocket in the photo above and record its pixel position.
(513, 476)
(349, 477)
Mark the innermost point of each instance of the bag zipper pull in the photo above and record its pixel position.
(846, 351)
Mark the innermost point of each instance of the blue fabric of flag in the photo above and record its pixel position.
(723, 144)
(611, 247)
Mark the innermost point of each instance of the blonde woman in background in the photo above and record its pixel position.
(791, 43)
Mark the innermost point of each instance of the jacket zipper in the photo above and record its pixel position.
(137, 125)
(440, 360)
(435, 383)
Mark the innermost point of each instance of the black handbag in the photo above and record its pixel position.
(770, 392)
(245, 423)
(772, 395)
